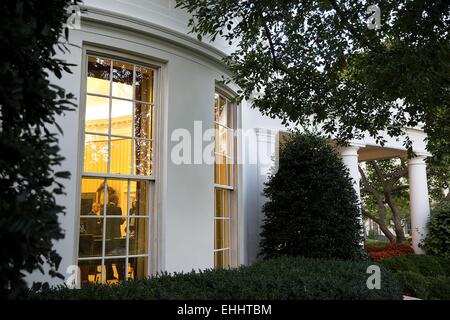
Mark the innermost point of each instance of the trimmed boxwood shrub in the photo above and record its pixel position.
(422, 276)
(414, 284)
(281, 278)
(437, 241)
(423, 264)
(312, 208)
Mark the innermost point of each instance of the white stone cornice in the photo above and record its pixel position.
(126, 22)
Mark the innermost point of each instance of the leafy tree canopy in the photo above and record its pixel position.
(316, 62)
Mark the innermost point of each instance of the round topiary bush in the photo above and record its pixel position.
(437, 241)
(312, 208)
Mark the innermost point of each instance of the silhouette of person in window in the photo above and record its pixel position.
(94, 226)
(132, 212)
(114, 238)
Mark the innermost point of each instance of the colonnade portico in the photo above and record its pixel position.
(417, 178)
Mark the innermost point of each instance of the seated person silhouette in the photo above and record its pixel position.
(114, 238)
(90, 229)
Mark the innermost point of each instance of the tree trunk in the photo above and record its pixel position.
(400, 234)
(384, 228)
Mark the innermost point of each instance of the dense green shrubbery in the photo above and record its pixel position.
(312, 209)
(422, 276)
(29, 37)
(280, 278)
(437, 241)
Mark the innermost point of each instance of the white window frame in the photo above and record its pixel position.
(229, 189)
(152, 180)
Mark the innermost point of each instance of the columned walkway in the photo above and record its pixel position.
(417, 177)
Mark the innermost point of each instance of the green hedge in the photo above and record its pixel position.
(437, 242)
(422, 276)
(279, 279)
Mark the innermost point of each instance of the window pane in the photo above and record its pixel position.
(230, 122)
(138, 236)
(91, 234)
(99, 71)
(219, 203)
(226, 203)
(222, 141)
(95, 153)
(226, 259)
(117, 196)
(226, 233)
(143, 121)
(218, 234)
(97, 114)
(144, 84)
(142, 156)
(115, 240)
(229, 143)
(114, 270)
(139, 198)
(121, 117)
(216, 107)
(122, 80)
(91, 271)
(218, 259)
(223, 112)
(137, 268)
(120, 156)
(92, 196)
(222, 170)
(230, 172)
(216, 138)
(216, 172)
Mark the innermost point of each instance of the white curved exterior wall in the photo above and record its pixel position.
(154, 30)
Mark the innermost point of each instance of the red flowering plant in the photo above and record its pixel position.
(381, 252)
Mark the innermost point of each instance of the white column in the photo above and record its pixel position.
(349, 156)
(418, 200)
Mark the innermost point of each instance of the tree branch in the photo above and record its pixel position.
(369, 215)
(397, 175)
(345, 20)
(275, 62)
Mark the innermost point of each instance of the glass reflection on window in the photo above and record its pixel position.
(99, 72)
(138, 236)
(95, 153)
(143, 164)
(144, 84)
(120, 156)
(97, 114)
(139, 198)
(143, 120)
(122, 80)
(121, 117)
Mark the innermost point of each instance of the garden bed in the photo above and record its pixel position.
(378, 251)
